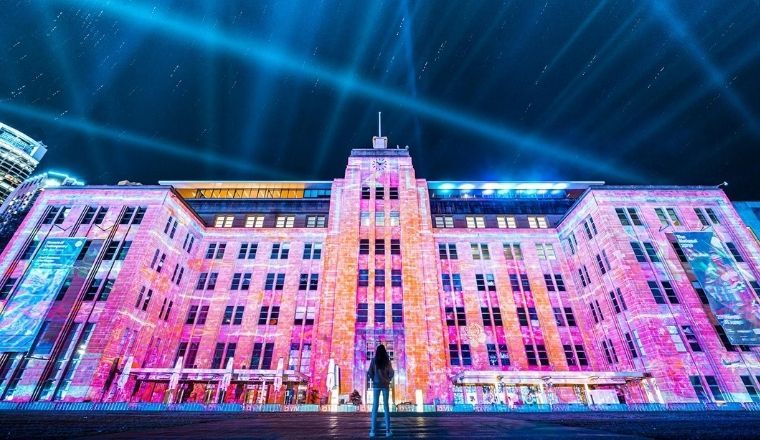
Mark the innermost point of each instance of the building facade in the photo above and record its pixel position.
(19, 156)
(484, 292)
(20, 201)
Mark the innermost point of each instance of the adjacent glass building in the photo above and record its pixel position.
(19, 156)
(484, 292)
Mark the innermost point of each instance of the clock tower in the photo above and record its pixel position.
(379, 229)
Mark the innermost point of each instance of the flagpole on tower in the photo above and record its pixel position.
(379, 124)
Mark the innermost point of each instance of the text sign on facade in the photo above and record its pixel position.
(26, 310)
(729, 295)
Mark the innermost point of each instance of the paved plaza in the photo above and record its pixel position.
(187, 425)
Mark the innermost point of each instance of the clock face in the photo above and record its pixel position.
(379, 164)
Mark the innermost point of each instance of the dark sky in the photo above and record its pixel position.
(649, 92)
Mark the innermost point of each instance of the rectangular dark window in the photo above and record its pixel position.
(364, 246)
(365, 193)
(735, 252)
(570, 317)
(397, 313)
(638, 252)
(670, 293)
(522, 317)
(454, 354)
(379, 313)
(699, 389)
(362, 312)
(393, 193)
(363, 279)
(395, 246)
(582, 359)
(656, 292)
(712, 383)
(530, 353)
(380, 247)
(379, 277)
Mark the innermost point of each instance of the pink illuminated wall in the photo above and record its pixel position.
(567, 303)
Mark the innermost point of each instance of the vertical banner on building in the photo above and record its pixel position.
(729, 295)
(25, 311)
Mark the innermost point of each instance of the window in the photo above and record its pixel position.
(628, 216)
(363, 278)
(559, 317)
(618, 302)
(691, 338)
(480, 251)
(454, 354)
(751, 389)
(7, 288)
(188, 244)
(113, 246)
(475, 222)
(397, 313)
(248, 251)
(261, 357)
(443, 221)
(379, 219)
(240, 281)
(537, 222)
(237, 318)
(447, 251)
(512, 251)
(570, 317)
(223, 221)
(755, 286)
(254, 221)
(379, 313)
(455, 316)
(379, 192)
(545, 251)
(362, 312)
(590, 227)
(572, 243)
(206, 281)
(274, 281)
(280, 251)
(584, 276)
(380, 247)
(312, 251)
(638, 252)
(393, 193)
(365, 193)
(56, 215)
(451, 282)
(603, 262)
(522, 317)
(670, 293)
(651, 252)
(308, 281)
(285, 221)
(504, 222)
(485, 282)
(396, 279)
(216, 251)
(380, 277)
(712, 383)
(734, 252)
(707, 216)
(269, 315)
(656, 292)
(609, 351)
(395, 246)
(216, 361)
(29, 250)
(699, 389)
(676, 338)
(631, 345)
(316, 221)
(394, 218)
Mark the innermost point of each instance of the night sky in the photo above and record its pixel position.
(644, 92)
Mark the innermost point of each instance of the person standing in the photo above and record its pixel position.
(380, 372)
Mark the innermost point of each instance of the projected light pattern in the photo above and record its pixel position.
(626, 92)
(278, 292)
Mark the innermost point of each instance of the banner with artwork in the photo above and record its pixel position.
(730, 296)
(25, 312)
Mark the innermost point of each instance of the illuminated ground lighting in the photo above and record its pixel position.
(89, 128)
(263, 53)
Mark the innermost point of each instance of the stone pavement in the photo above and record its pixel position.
(183, 425)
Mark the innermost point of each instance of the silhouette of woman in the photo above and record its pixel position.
(380, 373)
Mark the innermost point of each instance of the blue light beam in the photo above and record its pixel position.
(264, 54)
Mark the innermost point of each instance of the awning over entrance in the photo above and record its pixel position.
(545, 377)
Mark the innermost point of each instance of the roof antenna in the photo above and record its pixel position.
(379, 141)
